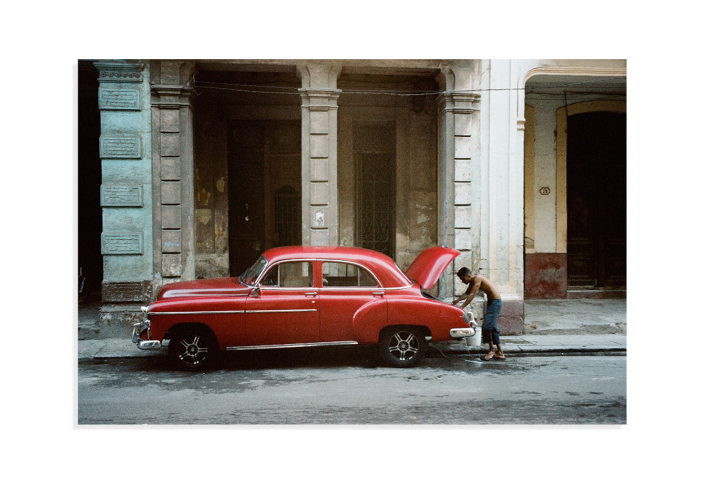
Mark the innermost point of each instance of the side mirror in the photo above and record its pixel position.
(256, 291)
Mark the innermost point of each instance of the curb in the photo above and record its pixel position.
(97, 350)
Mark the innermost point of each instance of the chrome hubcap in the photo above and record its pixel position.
(193, 352)
(403, 345)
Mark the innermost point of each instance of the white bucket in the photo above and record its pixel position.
(476, 340)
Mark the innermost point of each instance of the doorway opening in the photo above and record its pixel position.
(596, 201)
(374, 153)
(264, 177)
(89, 210)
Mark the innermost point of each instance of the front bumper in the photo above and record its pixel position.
(147, 344)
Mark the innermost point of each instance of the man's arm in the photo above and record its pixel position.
(462, 297)
(471, 291)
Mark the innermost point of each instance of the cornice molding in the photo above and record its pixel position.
(459, 102)
(319, 99)
(115, 71)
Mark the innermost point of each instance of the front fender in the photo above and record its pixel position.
(224, 316)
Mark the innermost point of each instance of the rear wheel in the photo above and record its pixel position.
(402, 346)
(193, 351)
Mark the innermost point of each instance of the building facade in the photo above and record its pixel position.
(207, 163)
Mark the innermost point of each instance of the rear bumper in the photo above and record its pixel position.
(148, 344)
(465, 332)
(462, 332)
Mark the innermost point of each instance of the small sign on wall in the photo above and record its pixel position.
(119, 99)
(120, 147)
(121, 196)
(122, 244)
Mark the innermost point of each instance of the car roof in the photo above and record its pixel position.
(381, 265)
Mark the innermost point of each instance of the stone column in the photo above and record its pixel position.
(320, 153)
(457, 162)
(173, 169)
(502, 192)
(125, 196)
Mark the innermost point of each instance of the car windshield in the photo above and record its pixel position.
(250, 275)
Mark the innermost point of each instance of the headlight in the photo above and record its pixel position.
(466, 317)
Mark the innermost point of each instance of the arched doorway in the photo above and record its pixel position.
(592, 174)
(596, 200)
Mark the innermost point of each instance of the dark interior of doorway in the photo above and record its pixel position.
(596, 183)
(89, 181)
(375, 169)
(264, 189)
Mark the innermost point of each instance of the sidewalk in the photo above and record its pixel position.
(553, 327)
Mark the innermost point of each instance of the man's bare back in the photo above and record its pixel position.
(481, 283)
(476, 283)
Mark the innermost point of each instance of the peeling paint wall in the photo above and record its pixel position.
(416, 209)
(213, 113)
(416, 212)
(126, 192)
(211, 204)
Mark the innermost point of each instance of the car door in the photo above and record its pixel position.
(284, 309)
(346, 288)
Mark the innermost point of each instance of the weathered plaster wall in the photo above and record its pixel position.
(415, 125)
(211, 191)
(213, 112)
(416, 211)
(126, 192)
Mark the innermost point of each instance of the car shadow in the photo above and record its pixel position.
(357, 356)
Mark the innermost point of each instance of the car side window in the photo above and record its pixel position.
(346, 275)
(290, 275)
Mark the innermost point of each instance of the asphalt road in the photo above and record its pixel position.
(347, 386)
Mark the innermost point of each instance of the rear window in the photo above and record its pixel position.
(346, 275)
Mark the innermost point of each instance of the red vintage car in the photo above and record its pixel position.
(304, 296)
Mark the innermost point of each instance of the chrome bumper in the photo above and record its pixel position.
(466, 332)
(147, 344)
(462, 332)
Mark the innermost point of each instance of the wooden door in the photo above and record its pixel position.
(264, 189)
(596, 183)
(246, 210)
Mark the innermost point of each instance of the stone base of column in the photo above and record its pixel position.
(117, 320)
(511, 317)
(121, 307)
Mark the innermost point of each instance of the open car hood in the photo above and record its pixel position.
(430, 264)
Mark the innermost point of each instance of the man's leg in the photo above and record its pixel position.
(490, 354)
(495, 332)
(490, 321)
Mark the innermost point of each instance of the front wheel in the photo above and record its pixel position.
(402, 347)
(193, 351)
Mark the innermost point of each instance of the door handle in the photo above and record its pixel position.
(312, 293)
(378, 293)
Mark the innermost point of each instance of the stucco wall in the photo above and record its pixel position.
(126, 192)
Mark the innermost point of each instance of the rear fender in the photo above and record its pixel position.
(414, 310)
(369, 320)
(418, 311)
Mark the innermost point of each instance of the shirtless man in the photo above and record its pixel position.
(489, 326)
